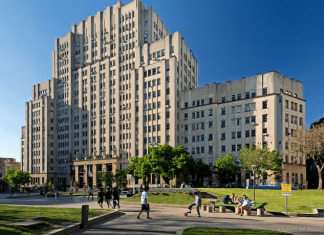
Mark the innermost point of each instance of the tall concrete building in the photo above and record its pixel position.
(121, 83)
(115, 90)
(220, 119)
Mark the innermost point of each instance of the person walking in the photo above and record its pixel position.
(145, 203)
(116, 198)
(90, 193)
(71, 193)
(101, 195)
(108, 197)
(197, 203)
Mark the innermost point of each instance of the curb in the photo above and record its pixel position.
(74, 227)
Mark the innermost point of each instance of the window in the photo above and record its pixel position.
(264, 144)
(211, 100)
(300, 108)
(193, 115)
(239, 96)
(265, 117)
(265, 131)
(239, 134)
(247, 120)
(168, 91)
(233, 109)
(264, 91)
(233, 148)
(223, 99)
(233, 135)
(223, 111)
(210, 112)
(186, 105)
(202, 137)
(247, 133)
(202, 149)
(210, 148)
(193, 138)
(253, 106)
(238, 121)
(286, 104)
(253, 93)
(239, 108)
(233, 97)
(252, 133)
(202, 102)
(223, 148)
(253, 120)
(202, 113)
(247, 94)
(223, 136)
(264, 104)
(198, 138)
(300, 121)
(223, 124)
(210, 124)
(202, 126)
(287, 117)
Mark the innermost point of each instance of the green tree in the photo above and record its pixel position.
(109, 177)
(262, 157)
(202, 170)
(15, 176)
(163, 160)
(226, 168)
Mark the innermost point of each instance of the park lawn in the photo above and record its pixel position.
(51, 215)
(224, 231)
(301, 201)
(173, 198)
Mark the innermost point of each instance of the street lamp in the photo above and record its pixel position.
(254, 168)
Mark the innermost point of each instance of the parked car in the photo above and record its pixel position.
(123, 194)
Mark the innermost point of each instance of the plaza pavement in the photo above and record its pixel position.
(168, 220)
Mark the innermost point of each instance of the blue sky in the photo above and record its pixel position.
(231, 39)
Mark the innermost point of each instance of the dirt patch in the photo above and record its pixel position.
(165, 194)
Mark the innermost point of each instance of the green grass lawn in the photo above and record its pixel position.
(174, 198)
(52, 216)
(301, 201)
(224, 231)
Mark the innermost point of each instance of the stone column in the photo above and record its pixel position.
(94, 173)
(103, 166)
(85, 175)
(76, 176)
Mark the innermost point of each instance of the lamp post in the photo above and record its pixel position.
(254, 168)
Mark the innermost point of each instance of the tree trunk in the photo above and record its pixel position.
(320, 181)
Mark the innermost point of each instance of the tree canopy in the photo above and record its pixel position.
(15, 176)
(263, 158)
(309, 143)
(226, 168)
(163, 160)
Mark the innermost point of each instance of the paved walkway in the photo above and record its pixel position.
(168, 220)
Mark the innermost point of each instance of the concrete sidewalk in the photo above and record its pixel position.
(169, 220)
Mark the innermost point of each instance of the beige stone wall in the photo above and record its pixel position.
(6, 163)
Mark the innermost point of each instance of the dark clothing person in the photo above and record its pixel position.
(226, 199)
(101, 195)
(116, 198)
(108, 197)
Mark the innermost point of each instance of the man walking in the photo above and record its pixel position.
(108, 197)
(116, 198)
(101, 195)
(90, 193)
(197, 203)
(145, 203)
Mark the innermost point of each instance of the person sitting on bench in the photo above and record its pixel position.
(245, 206)
(227, 200)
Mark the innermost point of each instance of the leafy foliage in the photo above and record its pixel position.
(263, 158)
(226, 168)
(109, 177)
(163, 160)
(309, 143)
(16, 176)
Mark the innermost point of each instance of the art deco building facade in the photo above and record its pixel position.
(220, 119)
(115, 90)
